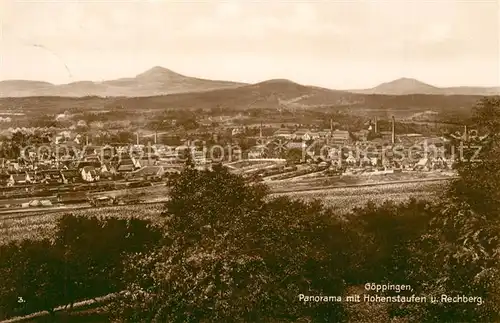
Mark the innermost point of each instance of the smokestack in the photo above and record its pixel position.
(393, 130)
(87, 140)
(156, 137)
(466, 135)
(331, 125)
(376, 125)
(260, 130)
(137, 137)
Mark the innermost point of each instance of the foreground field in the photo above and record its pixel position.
(294, 184)
(42, 224)
(344, 199)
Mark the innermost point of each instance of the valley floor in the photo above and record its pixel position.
(41, 224)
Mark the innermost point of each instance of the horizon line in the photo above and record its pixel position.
(246, 82)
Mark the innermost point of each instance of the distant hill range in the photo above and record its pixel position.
(156, 81)
(405, 86)
(161, 81)
(284, 97)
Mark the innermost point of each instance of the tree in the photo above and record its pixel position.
(84, 260)
(30, 271)
(44, 121)
(294, 155)
(479, 181)
(386, 233)
(188, 123)
(459, 253)
(93, 250)
(125, 137)
(235, 256)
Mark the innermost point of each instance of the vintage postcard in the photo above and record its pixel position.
(250, 161)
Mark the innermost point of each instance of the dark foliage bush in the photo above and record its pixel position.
(83, 261)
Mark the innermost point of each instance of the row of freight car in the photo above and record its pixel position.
(65, 191)
(77, 198)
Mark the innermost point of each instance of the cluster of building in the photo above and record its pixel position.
(70, 159)
(364, 149)
(92, 164)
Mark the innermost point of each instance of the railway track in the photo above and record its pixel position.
(68, 208)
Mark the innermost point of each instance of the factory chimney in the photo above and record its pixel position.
(331, 126)
(376, 125)
(260, 130)
(393, 131)
(156, 137)
(466, 135)
(137, 137)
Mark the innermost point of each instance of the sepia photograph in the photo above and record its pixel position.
(280, 161)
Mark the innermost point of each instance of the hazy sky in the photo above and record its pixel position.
(336, 44)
